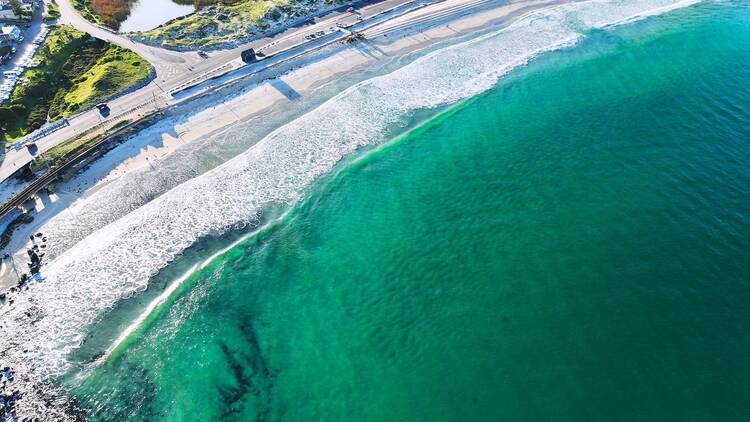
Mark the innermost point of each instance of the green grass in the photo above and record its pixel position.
(68, 150)
(218, 25)
(84, 8)
(74, 72)
(117, 70)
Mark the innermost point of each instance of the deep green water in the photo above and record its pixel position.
(571, 245)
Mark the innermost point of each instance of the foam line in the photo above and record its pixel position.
(117, 260)
(169, 291)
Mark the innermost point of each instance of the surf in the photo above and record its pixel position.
(117, 260)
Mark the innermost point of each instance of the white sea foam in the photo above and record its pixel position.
(118, 259)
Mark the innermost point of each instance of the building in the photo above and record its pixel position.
(8, 13)
(9, 34)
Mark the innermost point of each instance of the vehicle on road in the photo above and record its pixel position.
(350, 9)
(103, 109)
(248, 55)
(202, 54)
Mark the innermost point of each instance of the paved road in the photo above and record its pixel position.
(178, 69)
(25, 47)
(160, 58)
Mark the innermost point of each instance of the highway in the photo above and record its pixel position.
(177, 69)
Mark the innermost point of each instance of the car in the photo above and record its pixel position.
(308, 37)
(320, 33)
(203, 54)
(340, 25)
(103, 109)
(349, 9)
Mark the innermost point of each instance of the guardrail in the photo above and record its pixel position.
(40, 133)
(327, 40)
(42, 181)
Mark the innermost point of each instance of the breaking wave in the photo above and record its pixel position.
(118, 260)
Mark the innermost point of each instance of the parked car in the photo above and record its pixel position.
(203, 54)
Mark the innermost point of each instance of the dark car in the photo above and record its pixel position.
(103, 109)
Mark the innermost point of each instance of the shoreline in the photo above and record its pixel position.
(261, 97)
(303, 81)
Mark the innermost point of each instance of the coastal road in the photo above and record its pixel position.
(163, 60)
(179, 69)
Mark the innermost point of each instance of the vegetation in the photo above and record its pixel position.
(216, 24)
(69, 150)
(15, 5)
(61, 154)
(73, 72)
(53, 11)
(113, 12)
(85, 9)
(221, 26)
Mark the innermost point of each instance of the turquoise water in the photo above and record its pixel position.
(571, 245)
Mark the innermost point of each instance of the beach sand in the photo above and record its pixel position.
(385, 45)
(388, 42)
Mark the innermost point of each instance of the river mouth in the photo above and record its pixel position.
(146, 15)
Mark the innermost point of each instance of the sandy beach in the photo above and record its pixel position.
(284, 91)
(262, 95)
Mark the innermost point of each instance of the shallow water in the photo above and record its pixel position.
(571, 244)
(148, 14)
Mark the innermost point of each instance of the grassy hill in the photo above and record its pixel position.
(73, 72)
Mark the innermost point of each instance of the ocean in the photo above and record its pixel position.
(492, 240)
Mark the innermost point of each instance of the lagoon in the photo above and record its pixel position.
(146, 15)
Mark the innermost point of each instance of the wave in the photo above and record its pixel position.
(117, 260)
